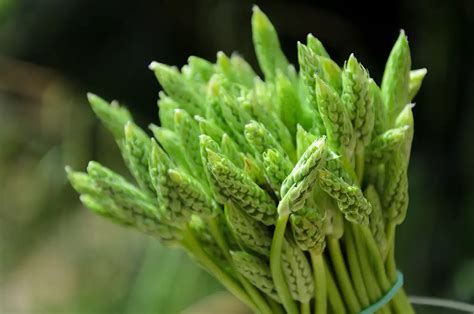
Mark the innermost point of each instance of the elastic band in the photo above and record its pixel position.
(387, 297)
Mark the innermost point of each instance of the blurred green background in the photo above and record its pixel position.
(57, 257)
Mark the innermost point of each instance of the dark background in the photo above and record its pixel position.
(106, 46)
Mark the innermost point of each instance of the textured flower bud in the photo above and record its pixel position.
(350, 199)
(214, 109)
(137, 151)
(376, 219)
(385, 145)
(335, 165)
(395, 197)
(260, 139)
(166, 189)
(256, 271)
(309, 69)
(358, 99)
(188, 133)
(313, 158)
(253, 234)
(206, 143)
(190, 194)
(277, 168)
(297, 272)
(103, 206)
(119, 200)
(234, 185)
(309, 230)
(336, 119)
(119, 189)
(260, 105)
(235, 117)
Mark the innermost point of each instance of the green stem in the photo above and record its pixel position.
(219, 237)
(346, 164)
(305, 308)
(390, 234)
(251, 290)
(405, 302)
(275, 265)
(391, 267)
(192, 244)
(390, 264)
(320, 298)
(399, 304)
(276, 307)
(359, 162)
(342, 275)
(373, 289)
(355, 268)
(375, 255)
(335, 299)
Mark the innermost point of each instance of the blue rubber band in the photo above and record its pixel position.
(387, 297)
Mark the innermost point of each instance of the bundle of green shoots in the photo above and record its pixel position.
(288, 190)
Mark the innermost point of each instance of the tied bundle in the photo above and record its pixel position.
(287, 189)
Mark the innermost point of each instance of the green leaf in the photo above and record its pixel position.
(396, 77)
(112, 115)
(235, 69)
(167, 106)
(380, 110)
(331, 73)
(178, 87)
(198, 70)
(267, 46)
(231, 150)
(416, 79)
(171, 144)
(291, 109)
(316, 46)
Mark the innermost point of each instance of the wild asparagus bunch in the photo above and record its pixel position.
(288, 190)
